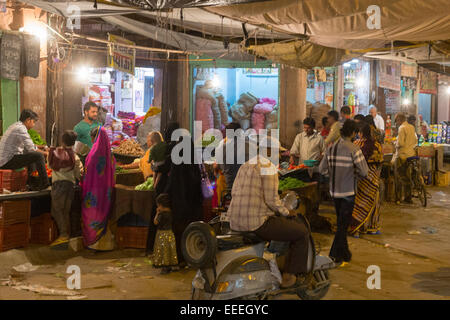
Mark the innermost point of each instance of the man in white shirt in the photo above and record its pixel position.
(309, 144)
(379, 122)
(17, 150)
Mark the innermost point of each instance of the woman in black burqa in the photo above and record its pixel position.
(183, 184)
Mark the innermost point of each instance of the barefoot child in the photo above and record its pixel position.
(164, 251)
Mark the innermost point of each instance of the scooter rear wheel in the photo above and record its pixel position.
(317, 288)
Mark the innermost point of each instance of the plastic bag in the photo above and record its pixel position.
(276, 274)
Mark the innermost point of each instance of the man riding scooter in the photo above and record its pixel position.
(256, 207)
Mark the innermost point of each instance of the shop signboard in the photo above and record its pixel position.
(409, 70)
(388, 74)
(119, 57)
(428, 82)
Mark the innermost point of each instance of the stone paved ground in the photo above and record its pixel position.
(413, 266)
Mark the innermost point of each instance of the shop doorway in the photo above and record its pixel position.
(425, 106)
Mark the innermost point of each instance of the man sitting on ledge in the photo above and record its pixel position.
(17, 150)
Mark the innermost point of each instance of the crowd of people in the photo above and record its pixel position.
(348, 150)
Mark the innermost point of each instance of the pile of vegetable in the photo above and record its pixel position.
(120, 170)
(49, 172)
(146, 186)
(130, 148)
(290, 183)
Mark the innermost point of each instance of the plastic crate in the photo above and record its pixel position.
(13, 180)
(132, 237)
(14, 236)
(17, 211)
(43, 229)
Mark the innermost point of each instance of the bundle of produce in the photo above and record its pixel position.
(130, 148)
(146, 186)
(36, 138)
(290, 183)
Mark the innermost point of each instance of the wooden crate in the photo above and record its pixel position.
(132, 237)
(14, 236)
(13, 180)
(43, 229)
(16, 211)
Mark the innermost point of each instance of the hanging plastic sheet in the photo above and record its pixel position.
(168, 4)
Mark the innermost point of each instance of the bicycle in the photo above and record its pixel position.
(416, 180)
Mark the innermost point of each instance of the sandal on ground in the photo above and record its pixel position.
(59, 241)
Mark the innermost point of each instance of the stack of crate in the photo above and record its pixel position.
(43, 229)
(14, 224)
(13, 180)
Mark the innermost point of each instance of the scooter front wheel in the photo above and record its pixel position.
(318, 286)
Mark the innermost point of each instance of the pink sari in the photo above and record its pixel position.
(97, 189)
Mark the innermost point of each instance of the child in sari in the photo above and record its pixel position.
(164, 251)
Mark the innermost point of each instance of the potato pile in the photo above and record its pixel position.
(130, 148)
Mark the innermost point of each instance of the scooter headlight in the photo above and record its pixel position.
(223, 287)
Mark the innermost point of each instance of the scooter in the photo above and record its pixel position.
(236, 265)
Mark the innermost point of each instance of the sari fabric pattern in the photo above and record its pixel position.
(366, 211)
(97, 189)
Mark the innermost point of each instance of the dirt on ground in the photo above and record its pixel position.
(412, 253)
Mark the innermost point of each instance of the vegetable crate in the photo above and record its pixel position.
(132, 237)
(43, 229)
(14, 236)
(13, 180)
(13, 212)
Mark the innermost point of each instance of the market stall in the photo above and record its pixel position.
(244, 92)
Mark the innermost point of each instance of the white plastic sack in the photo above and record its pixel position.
(152, 123)
(276, 274)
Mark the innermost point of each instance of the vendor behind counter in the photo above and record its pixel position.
(85, 126)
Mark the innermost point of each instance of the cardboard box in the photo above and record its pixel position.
(440, 158)
(442, 179)
(426, 151)
(388, 148)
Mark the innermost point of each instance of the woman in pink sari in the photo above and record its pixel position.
(97, 190)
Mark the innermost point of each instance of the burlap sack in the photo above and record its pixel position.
(222, 108)
(204, 93)
(238, 112)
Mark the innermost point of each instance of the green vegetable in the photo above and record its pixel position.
(120, 170)
(36, 138)
(146, 186)
(290, 183)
